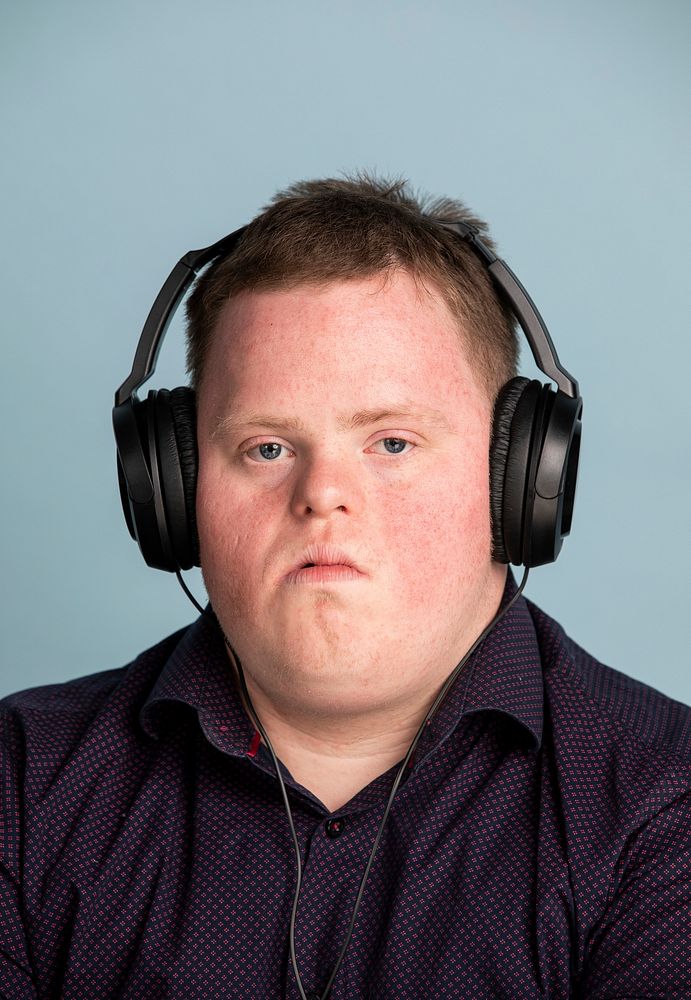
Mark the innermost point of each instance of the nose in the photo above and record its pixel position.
(327, 483)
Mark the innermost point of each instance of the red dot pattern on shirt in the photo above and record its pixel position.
(539, 846)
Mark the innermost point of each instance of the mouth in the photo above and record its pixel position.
(324, 564)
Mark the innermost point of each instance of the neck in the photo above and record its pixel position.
(336, 758)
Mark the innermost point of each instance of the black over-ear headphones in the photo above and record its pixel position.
(533, 457)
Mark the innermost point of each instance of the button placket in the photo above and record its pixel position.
(333, 865)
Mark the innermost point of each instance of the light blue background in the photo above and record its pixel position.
(134, 131)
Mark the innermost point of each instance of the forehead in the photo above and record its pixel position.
(370, 340)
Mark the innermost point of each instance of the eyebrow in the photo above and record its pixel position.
(361, 418)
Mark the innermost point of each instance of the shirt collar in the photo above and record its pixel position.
(199, 674)
(504, 675)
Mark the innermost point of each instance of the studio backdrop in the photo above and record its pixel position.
(136, 131)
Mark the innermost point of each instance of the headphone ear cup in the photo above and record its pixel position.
(504, 521)
(176, 431)
(533, 467)
(134, 424)
(553, 475)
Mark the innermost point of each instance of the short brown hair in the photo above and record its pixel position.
(338, 229)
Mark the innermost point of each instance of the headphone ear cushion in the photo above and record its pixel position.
(183, 409)
(505, 407)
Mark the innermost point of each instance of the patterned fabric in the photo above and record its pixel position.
(538, 848)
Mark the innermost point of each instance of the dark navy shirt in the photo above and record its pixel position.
(538, 848)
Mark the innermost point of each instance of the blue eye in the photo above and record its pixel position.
(270, 450)
(394, 446)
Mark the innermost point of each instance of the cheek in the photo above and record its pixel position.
(228, 539)
(442, 538)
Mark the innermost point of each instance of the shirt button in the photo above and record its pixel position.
(334, 828)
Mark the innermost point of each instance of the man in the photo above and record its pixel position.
(529, 837)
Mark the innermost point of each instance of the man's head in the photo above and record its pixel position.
(344, 424)
(337, 230)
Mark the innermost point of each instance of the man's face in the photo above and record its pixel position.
(341, 425)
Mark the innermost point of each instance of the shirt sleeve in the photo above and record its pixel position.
(642, 945)
(16, 976)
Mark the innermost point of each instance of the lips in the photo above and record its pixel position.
(322, 563)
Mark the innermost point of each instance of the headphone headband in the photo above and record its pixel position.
(163, 310)
(523, 307)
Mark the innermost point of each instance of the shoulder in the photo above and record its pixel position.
(645, 717)
(60, 742)
(52, 719)
(619, 749)
(616, 773)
